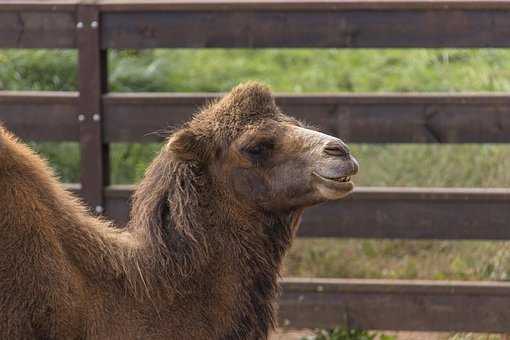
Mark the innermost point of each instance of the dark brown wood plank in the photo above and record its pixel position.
(307, 28)
(94, 160)
(159, 5)
(387, 213)
(229, 5)
(397, 118)
(45, 5)
(40, 116)
(396, 305)
(413, 214)
(118, 203)
(51, 24)
(41, 26)
(137, 117)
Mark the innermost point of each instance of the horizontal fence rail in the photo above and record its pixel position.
(37, 24)
(397, 118)
(396, 305)
(41, 116)
(379, 212)
(227, 24)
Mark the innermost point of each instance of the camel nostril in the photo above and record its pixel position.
(336, 148)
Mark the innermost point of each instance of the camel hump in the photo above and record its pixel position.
(36, 271)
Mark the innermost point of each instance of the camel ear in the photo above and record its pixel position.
(185, 145)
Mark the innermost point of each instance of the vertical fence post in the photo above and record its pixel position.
(92, 63)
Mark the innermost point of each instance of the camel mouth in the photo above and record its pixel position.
(342, 179)
(333, 187)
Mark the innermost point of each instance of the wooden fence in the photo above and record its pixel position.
(95, 118)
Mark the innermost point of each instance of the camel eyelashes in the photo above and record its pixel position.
(255, 150)
(260, 148)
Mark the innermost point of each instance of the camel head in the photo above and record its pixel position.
(262, 157)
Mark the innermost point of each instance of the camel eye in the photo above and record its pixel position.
(259, 149)
(256, 150)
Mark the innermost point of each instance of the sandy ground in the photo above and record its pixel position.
(297, 335)
(289, 335)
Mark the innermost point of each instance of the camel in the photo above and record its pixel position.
(200, 257)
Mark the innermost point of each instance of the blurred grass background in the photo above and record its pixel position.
(300, 71)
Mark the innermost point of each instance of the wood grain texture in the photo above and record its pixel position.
(40, 116)
(94, 152)
(218, 5)
(39, 5)
(397, 118)
(319, 5)
(395, 305)
(306, 28)
(137, 24)
(47, 27)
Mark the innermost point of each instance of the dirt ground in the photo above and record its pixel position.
(298, 334)
(290, 335)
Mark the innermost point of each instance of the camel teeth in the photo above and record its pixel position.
(342, 179)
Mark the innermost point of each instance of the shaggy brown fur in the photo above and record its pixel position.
(197, 261)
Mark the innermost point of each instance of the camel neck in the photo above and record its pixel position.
(249, 251)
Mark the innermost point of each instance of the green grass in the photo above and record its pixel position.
(289, 70)
(399, 259)
(340, 333)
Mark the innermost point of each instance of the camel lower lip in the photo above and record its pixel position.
(339, 184)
